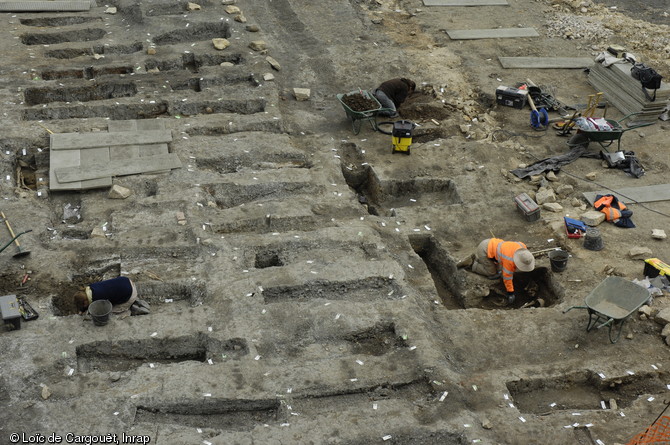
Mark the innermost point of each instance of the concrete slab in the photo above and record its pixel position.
(119, 168)
(628, 195)
(137, 150)
(36, 6)
(502, 33)
(464, 2)
(74, 141)
(546, 62)
(69, 158)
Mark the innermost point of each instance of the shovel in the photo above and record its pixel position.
(19, 250)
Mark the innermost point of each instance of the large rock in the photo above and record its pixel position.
(666, 330)
(552, 207)
(273, 63)
(119, 192)
(220, 43)
(545, 194)
(258, 45)
(193, 7)
(640, 253)
(658, 234)
(663, 316)
(301, 93)
(551, 176)
(593, 218)
(231, 9)
(98, 232)
(565, 190)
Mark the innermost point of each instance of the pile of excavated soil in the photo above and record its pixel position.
(359, 102)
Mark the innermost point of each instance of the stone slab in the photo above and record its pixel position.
(77, 141)
(120, 167)
(36, 6)
(501, 33)
(546, 62)
(628, 195)
(70, 158)
(465, 2)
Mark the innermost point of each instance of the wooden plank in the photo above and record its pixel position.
(76, 141)
(120, 167)
(546, 62)
(500, 33)
(629, 195)
(465, 2)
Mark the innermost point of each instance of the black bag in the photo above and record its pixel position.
(648, 77)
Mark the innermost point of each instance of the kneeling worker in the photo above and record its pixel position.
(120, 291)
(495, 257)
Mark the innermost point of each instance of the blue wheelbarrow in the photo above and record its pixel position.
(611, 303)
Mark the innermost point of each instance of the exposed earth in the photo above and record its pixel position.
(310, 294)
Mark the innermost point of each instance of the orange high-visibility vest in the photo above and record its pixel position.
(611, 213)
(503, 252)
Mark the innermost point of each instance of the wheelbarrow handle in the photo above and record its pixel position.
(574, 307)
(635, 126)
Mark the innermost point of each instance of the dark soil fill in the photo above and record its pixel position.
(359, 102)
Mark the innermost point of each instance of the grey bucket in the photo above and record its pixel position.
(100, 311)
(592, 240)
(558, 260)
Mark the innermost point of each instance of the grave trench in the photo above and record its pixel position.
(52, 38)
(87, 93)
(294, 251)
(193, 62)
(359, 290)
(380, 197)
(44, 22)
(194, 33)
(270, 224)
(220, 414)
(450, 283)
(156, 292)
(107, 49)
(111, 111)
(419, 437)
(126, 355)
(232, 163)
(583, 391)
(88, 72)
(229, 195)
(377, 340)
(91, 270)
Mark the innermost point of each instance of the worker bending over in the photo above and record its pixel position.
(120, 291)
(496, 257)
(392, 93)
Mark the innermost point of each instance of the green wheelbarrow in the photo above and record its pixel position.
(357, 117)
(606, 137)
(611, 303)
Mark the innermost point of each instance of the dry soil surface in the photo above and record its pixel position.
(302, 278)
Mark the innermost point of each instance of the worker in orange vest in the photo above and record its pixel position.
(495, 257)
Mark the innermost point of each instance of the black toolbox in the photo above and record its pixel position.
(527, 207)
(511, 97)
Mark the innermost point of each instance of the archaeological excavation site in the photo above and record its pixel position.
(301, 263)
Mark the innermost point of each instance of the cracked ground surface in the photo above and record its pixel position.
(309, 294)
